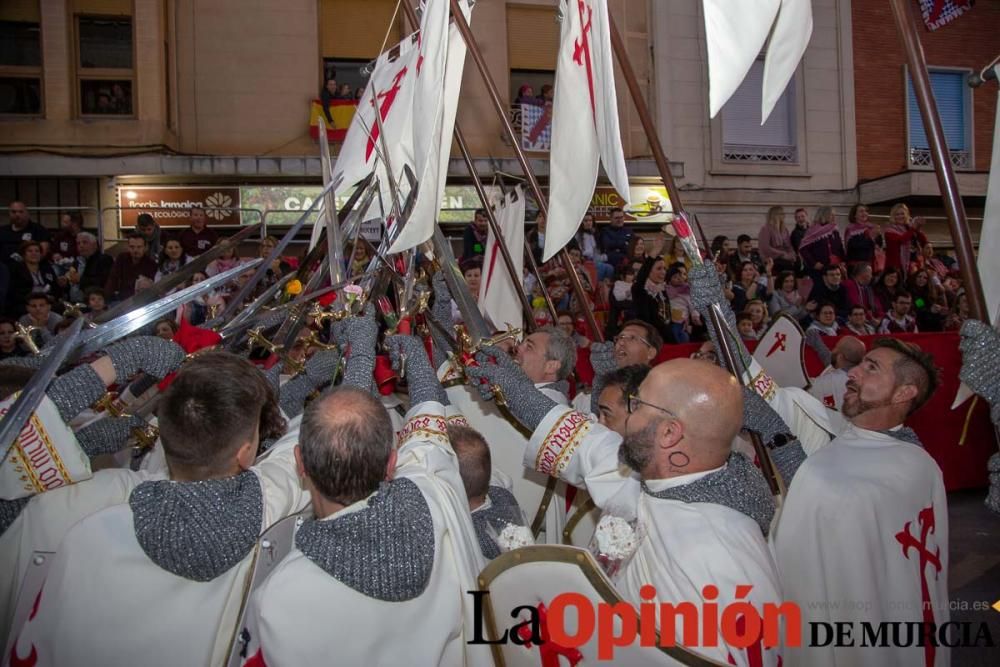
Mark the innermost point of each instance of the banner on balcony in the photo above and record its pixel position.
(536, 127)
(938, 13)
(341, 114)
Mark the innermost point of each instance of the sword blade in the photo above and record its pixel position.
(176, 278)
(96, 339)
(34, 391)
(472, 317)
(249, 311)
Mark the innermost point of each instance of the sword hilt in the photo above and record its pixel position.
(109, 403)
(257, 339)
(23, 334)
(145, 438)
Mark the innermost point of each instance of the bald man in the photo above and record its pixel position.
(831, 385)
(705, 511)
(393, 544)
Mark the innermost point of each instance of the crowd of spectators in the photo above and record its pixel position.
(864, 279)
(50, 277)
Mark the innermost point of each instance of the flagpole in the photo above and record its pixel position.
(529, 315)
(529, 173)
(958, 225)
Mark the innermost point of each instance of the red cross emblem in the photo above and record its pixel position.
(581, 48)
(779, 343)
(387, 97)
(549, 650)
(755, 652)
(926, 520)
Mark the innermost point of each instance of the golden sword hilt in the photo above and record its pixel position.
(145, 438)
(109, 403)
(23, 334)
(257, 339)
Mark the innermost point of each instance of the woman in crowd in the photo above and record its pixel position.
(826, 320)
(821, 244)
(682, 315)
(636, 250)
(649, 294)
(677, 255)
(787, 298)
(31, 275)
(758, 316)
(928, 260)
(902, 237)
(929, 304)
(586, 239)
(205, 307)
(165, 328)
(721, 248)
(887, 286)
(227, 260)
(959, 313)
(775, 242)
(171, 259)
(861, 236)
(750, 285)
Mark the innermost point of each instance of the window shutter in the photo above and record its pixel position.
(532, 38)
(741, 114)
(354, 29)
(950, 98)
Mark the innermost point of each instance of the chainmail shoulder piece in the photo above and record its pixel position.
(9, 511)
(198, 530)
(76, 391)
(562, 386)
(501, 501)
(904, 433)
(739, 486)
(108, 435)
(787, 458)
(384, 551)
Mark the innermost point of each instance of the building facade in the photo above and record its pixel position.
(110, 104)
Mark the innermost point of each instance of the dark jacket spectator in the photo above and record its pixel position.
(326, 96)
(33, 274)
(649, 297)
(64, 241)
(614, 238)
(888, 285)
(800, 228)
(474, 238)
(198, 238)
(128, 268)
(821, 245)
(152, 232)
(830, 289)
(90, 268)
(861, 237)
(744, 253)
(20, 229)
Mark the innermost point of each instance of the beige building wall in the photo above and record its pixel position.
(733, 198)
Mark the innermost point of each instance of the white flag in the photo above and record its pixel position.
(435, 103)
(498, 297)
(735, 32)
(390, 90)
(786, 48)
(585, 128)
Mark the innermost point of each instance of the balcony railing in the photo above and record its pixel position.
(760, 154)
(921, 157)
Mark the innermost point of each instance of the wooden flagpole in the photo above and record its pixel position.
(906, 26)
(529, 173)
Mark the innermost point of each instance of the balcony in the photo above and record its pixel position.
(920, 158)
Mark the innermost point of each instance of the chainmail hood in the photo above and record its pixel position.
(739, 486)
(198, 530)
(384, 551)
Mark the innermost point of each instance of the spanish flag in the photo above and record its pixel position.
(341, 111)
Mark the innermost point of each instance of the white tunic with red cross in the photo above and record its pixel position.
(862, 536)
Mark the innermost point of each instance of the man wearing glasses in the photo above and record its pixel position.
(638, 343)
(705, 511)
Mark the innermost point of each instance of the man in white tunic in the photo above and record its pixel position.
(393, 546)
(547, 357)
(637, 343)
(867, 487)
(705, 510)
(181, 546)
(863, 531)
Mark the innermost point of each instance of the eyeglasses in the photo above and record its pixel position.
(633, 402)
(628, 338)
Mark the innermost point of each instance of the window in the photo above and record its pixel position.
(532, 51)
(951, 94)
(744, 139)
(105, 74)
(20, 59)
